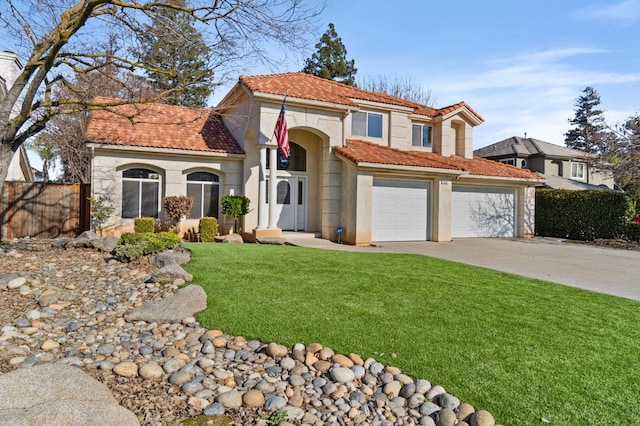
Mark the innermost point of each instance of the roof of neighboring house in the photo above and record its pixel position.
(526, 147)
(558, 182)
(154, 125)
(358, 151)
(309, 87)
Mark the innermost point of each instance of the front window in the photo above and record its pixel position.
(140, 193)
(204, 188)
(577, 171)
(421, 135)
(509, 161)
(366, 124)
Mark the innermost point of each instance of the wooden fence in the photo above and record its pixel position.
(44, 210)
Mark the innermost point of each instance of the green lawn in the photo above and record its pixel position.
(520, 348)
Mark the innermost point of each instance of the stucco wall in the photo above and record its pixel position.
(107, 167)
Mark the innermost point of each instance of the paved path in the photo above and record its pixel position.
(601, 269)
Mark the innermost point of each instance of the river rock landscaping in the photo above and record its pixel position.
(136, 333)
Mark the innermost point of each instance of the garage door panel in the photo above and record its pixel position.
(399, 210)
(483, 212)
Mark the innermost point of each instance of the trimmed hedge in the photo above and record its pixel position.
(208, 229)
(143, 224)
(582, 215)
(631, 232)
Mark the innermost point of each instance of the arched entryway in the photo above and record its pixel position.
(291, 188)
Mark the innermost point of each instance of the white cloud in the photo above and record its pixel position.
(544, 69)
(626, 12)
(533, 93)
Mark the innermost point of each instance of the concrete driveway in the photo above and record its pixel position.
(605, 270)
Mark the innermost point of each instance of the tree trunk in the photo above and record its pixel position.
(6, 155)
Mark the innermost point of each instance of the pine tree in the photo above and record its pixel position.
(175, 56)
(330, 61)
(590, 131)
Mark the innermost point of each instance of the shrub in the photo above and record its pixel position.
(235, 206)
(177, 207)
(582, 215)
(208, 229)
(129, 251)
(150, 242)
(101, 209)
(143, 224)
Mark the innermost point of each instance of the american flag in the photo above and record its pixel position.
(281, 133)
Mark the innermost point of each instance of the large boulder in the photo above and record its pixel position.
(231, 238)
(169, 273)
(58, 394)
(106, 244)
(167, 257)
(185, 303)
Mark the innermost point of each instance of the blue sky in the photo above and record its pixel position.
(520, 64)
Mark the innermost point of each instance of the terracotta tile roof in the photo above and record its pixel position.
(359, 151)
(160, 126)
(309, 87)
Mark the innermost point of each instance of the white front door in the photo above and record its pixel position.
(291, 203)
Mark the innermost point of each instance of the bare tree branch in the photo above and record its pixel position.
(56, 40)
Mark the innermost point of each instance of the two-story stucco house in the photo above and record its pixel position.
(562, 167)
(379, 167)
(10, 67)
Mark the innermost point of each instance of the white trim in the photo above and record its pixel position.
(162, 151)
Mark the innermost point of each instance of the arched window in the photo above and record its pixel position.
(205, 189)
(297, 159)
(284, 192)
(140, 193)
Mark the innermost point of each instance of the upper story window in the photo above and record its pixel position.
(577, 171)
(140, 193)
(509, 161)
(421, 135)
(204, 188)
(366, 124)
(297, 159)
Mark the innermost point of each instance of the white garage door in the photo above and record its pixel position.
(482, 212)
(399, 210)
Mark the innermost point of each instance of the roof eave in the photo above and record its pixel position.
(504, 178)
(269, 97)
(171, 151)
(382, 105)
(363, 165)
(473, 118)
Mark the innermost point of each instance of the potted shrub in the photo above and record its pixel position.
(235, 206)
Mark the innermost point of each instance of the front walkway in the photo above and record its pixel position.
(601, 269)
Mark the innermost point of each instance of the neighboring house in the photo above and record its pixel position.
(563, 168)
(10, 67)
(379, 167)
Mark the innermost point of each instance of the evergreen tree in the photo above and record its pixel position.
(330, 61)
(176, 58)
(590, 131)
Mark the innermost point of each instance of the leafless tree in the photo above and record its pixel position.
(620, 155)
(57, 39)
(401, 87)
